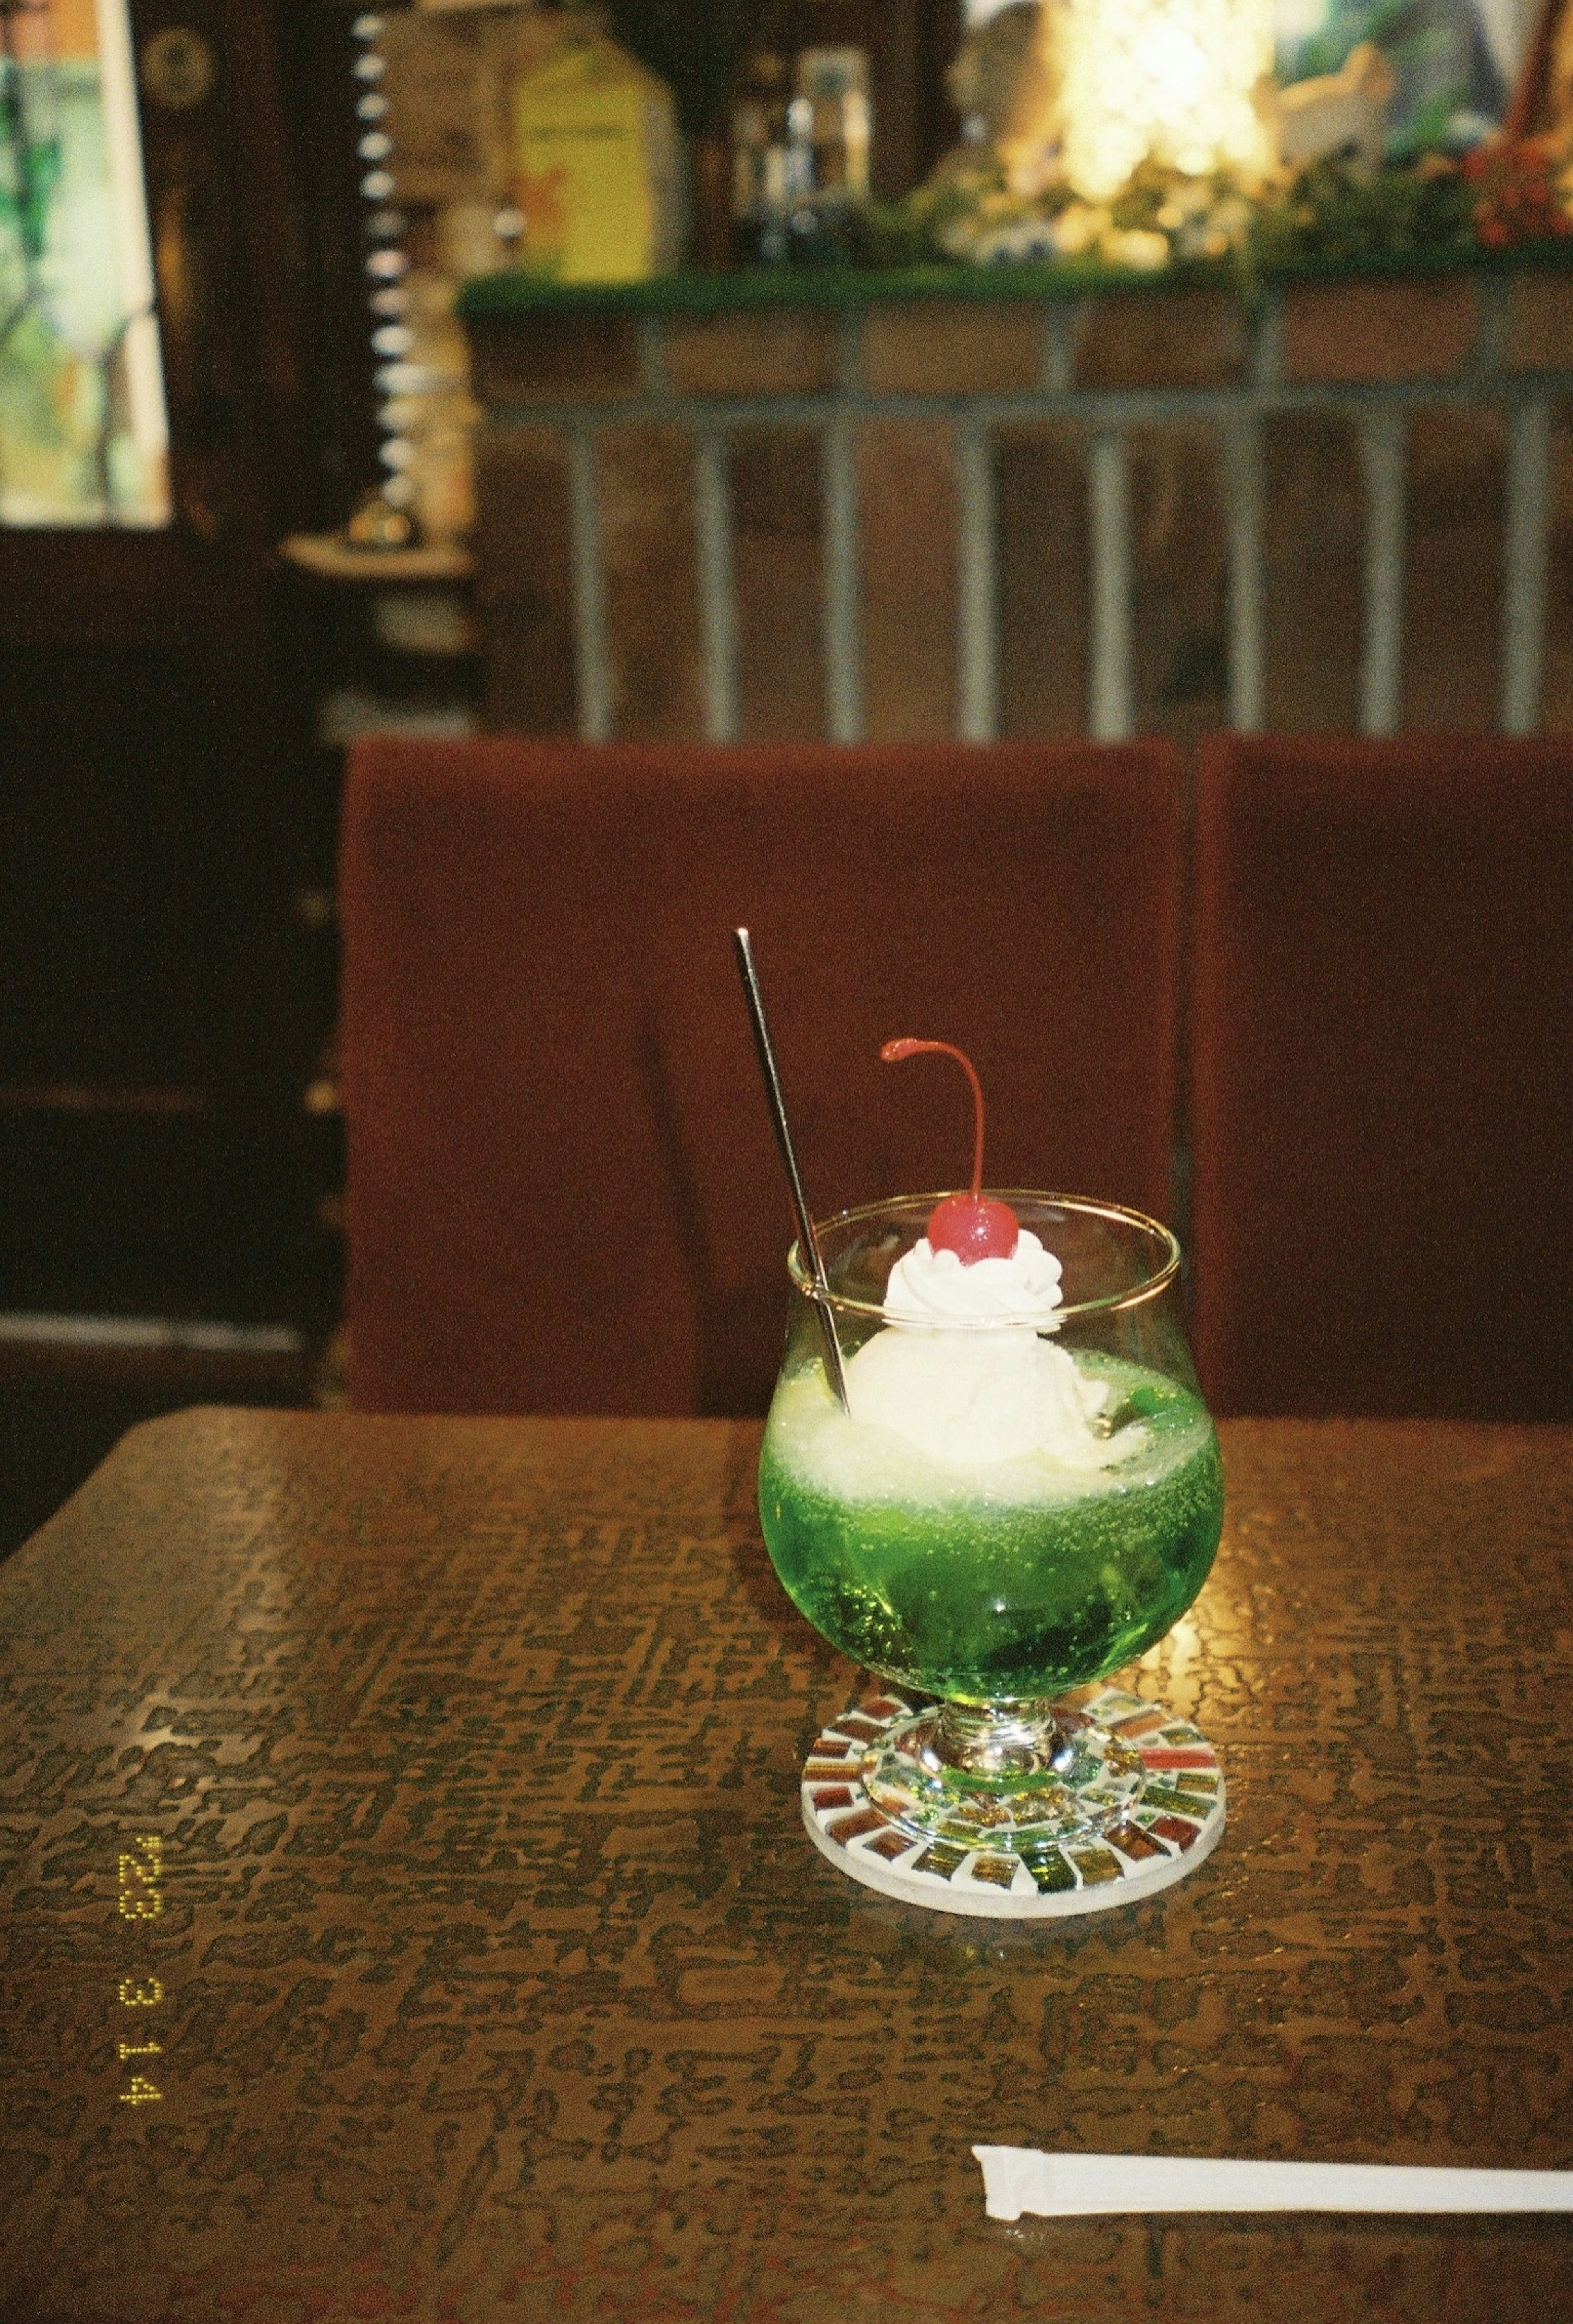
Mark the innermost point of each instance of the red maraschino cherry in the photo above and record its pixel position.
(971, 1225)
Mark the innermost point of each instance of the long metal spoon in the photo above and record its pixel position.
(806, 1235)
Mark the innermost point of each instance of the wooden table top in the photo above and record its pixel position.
(426, 1790)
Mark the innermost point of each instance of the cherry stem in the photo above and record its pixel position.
(894, 1052)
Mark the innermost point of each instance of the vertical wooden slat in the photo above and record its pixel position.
(1525, 562)
(717, 585)
(1556, 667)
(977, 587)
(843, 660)
(592, 669)
(1247, 640)
(1382, 452)
(1110, 687)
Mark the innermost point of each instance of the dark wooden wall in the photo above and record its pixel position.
(156, 1002)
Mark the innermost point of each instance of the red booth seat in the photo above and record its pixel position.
(1382, 1088)
(563, 1192)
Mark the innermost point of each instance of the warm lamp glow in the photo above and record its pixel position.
(1166, 78)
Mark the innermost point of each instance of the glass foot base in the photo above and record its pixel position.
(1132, 1802)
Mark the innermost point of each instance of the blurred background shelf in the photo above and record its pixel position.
(333, 559)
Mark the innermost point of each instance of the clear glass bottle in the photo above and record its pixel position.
(800, 156)
(828, 126)
(761, 189)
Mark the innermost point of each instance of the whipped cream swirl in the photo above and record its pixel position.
(929, 1285)
(997, 1392)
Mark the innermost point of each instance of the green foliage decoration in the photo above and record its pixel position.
(1328, 212)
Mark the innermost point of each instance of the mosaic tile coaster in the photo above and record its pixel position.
(1156, 1792)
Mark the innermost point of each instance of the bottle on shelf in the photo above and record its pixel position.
(760, 199)
(800, 157)
(828, 126)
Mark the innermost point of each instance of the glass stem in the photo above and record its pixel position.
(998, 1738)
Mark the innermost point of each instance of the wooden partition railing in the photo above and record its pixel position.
(1415, 424)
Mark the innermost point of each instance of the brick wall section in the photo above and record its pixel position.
(1044, 551)
(556, 359)
(524, 592)
(1312, 577)
(1455, 352)
(1179, 581)
(1538, 334)
(776, 552)
(652, 582)
(906, 491)
(1363, 333)
(751, 354)
(1452, 582)
(1161, 338)
(935, 347)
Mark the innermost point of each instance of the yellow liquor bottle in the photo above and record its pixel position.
(598, 181)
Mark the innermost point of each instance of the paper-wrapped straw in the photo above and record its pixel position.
(1017, 2178)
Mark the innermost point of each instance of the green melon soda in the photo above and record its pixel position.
(1012, 1578)
(1023, 1490)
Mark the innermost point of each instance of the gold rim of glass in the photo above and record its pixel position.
(1117, 1213)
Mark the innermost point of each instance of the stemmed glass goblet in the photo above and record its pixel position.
(997, 1772)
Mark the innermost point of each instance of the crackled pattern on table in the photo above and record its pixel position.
(442, 1778)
